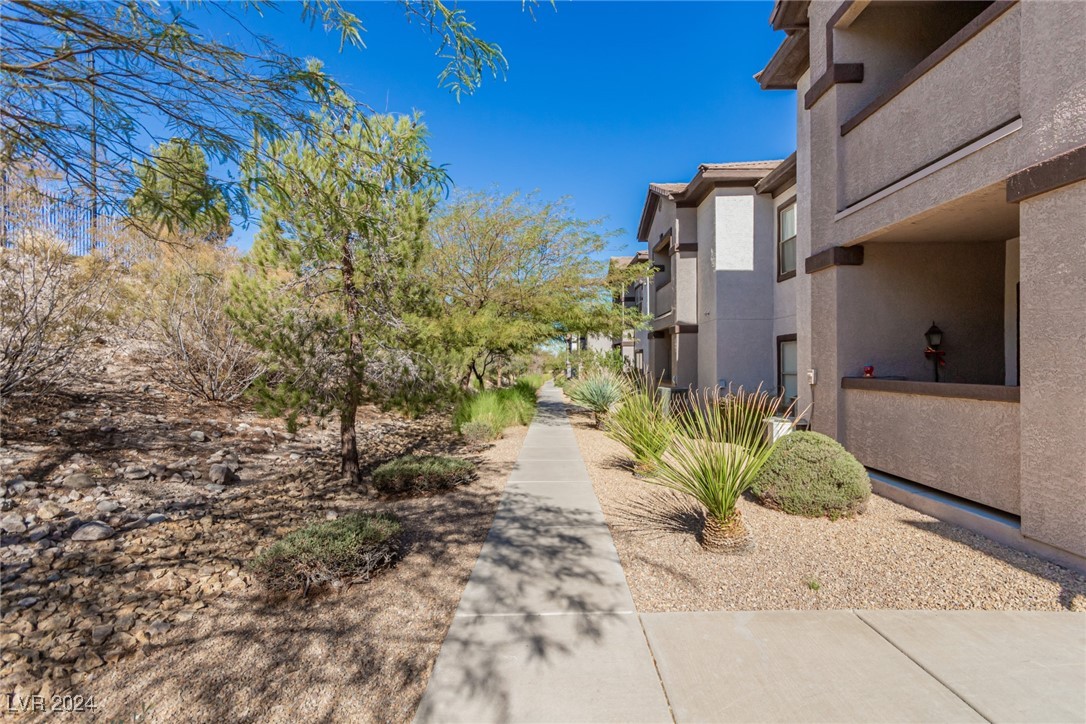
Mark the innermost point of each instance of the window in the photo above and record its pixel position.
(786, 241)
(787, 368)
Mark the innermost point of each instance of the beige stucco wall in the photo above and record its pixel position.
(968, 448)
(1053, 376)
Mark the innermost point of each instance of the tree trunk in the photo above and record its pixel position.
(348, 440)
(348, 445)
(728, 536)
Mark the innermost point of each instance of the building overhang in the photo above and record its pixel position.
(780, 178)
(656, 192)
(789, 14)
(714, 176)
(788, 63)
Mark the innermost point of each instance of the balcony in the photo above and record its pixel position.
(963, 96)
(958, 438)
(664, 307)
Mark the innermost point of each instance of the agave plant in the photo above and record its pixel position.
(600, 393)
(643, 424)
(718, 452)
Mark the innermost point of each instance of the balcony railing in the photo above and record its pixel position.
(665, 300)
(966, 90)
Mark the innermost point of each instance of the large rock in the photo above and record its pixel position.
(220, 474)
(95, 530)
(78, 481)
(13, 523)
(49, 510)
(136, 472)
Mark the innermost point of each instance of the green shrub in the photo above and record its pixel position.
(477, 431)
(497, 408)
(421, 474)
(600, 393)
(534, 381)
(811, 474)
(344, 550)
(641, 422)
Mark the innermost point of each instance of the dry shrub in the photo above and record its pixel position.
(52, 304)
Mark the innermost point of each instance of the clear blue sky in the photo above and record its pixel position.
(600, 98)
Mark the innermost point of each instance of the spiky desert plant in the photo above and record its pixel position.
(716, 457)
(600, 393)
(643, 424)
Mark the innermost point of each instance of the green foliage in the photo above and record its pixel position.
(534, 380)
(600, 393)
(333, 270)
(477, 431)
(509, 274)
(813, 475)
(643, 424)
(348, 549)
(720, 450)
(496, 408)
(421, 474)
(175, 192)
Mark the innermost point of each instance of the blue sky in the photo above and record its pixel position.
(600, 98)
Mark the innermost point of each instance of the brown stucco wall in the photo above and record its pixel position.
(968, 448)
(1053, 374)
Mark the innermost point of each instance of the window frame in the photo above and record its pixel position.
(781, 388)
(788, 204)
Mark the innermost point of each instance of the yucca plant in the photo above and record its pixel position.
(600, 393)
(715, 457)
(643, 424)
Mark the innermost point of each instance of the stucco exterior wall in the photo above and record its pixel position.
(707, 329)
(1011, 276)
(968, 448)
(1053, 258)
(784, 293)
(886, 304)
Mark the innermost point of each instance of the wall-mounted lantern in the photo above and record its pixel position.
(934, 338)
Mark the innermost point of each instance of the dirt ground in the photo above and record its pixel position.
(888, 557)
(161, 616)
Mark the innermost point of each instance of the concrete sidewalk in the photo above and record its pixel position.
(546, 631)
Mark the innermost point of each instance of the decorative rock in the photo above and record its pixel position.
(13, 523)
(101, 633)
(158, 628)
(158, 470)
(136, 472)
(212, 488)
(197, 436)
(109, 506)
(49, 510)
(155, 518)
(95, 530)
(26, 602)
(17, 486)
(79, 480)
(40, 532)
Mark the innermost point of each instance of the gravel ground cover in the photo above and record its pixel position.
(889, 557)
(128, 516)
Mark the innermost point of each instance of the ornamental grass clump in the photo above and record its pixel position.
(416, 474)
(644, 425)
(330, 553)
(811, 474)
(495, 408)
(600, 393)
(715, 457)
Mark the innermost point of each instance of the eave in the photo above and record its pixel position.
(787, 64)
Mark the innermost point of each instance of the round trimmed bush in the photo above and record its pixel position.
(421, 474)
(344, 550)
(811, 474)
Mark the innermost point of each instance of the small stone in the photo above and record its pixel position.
(212, 488)
(13, 523)
(101, 633)
(79, 480)
(158, 628)
(26, 602)
(158, 470)
(136, 472)
(95, 530)
(155, 518)
(109, 506)
(220, 474)
(197, 436)
(49, 510)
(88, 663)
(38, 533)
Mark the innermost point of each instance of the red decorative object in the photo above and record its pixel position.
(869, 371)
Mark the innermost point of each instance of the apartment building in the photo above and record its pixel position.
(722, 293)
(941, 281)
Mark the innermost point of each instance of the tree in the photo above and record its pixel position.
(85, 85)
(511, 273)
(333, 265)
(176, 192)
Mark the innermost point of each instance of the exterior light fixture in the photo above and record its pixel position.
(934, 338)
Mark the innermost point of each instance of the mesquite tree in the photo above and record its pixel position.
(333, 266)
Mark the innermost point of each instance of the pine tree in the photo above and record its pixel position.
(334, 264)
